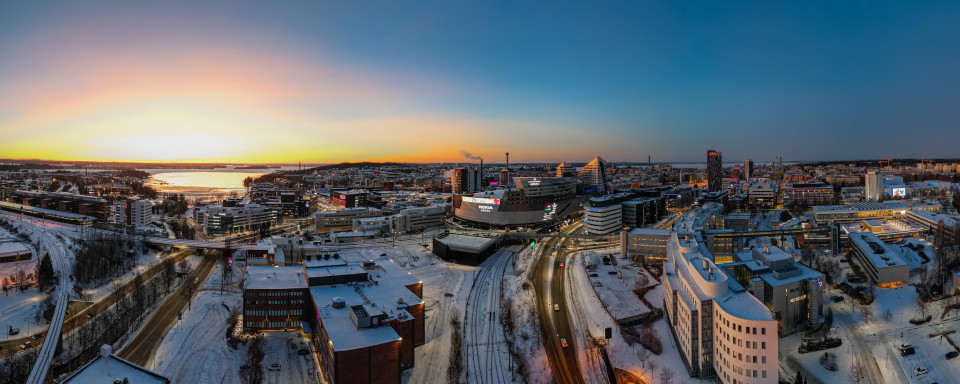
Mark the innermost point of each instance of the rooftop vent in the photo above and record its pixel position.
(339, 302)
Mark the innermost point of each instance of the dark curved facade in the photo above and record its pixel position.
(538, 202)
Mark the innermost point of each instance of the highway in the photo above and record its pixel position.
(61, 265)
(547, 278)
(141, 348)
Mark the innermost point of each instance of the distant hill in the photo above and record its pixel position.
(362, 164)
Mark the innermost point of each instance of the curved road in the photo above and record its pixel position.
(142, 346)
(547, 278)
(61, 297)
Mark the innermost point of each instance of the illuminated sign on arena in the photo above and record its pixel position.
(481, 200)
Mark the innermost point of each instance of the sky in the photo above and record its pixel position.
(330, 81)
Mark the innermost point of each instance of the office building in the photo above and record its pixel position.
(643, 211)
(417, 219)
(865, 211)
(722, 331)
(883, 265)
(602, 217)
(791, 291)
(644, 244)
(873, 186)
(747, 169)
(217, 219)
(274, 297)
(342, 219)
(808, 193)
(594, 177)
(369, 317)
(714, 171)
(566, 170)
(463, 180)
(350, 198)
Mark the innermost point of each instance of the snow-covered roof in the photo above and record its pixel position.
(104, 370)
(879, 253)
(387, 293)
(11, 248)
(467, 242)
(275, 278)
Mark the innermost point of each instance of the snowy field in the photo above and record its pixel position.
(445, 290)
(591, 318)
(880, 339)
(195, 350)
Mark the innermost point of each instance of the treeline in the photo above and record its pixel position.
(173, 204)
(183, 231)
(101, 257)
(116, 322)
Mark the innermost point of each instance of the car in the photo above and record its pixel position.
(274, 367)
(37, 336)
(23, 346)
(196, 281)
(594, 275)
(952, 354)
(907, 351)
(563, 342)
(836, 299)
(920, 371)
(556, 307)
(303, 351)
(561, 265)
(448, 294)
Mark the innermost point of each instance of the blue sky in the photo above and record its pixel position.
(547, 81)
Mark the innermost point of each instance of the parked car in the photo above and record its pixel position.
(36, 336)
(594, 274)
(274, 367)
(907, 351)
(303, 351)
(920, 371)
(952, 354)
(836, 299)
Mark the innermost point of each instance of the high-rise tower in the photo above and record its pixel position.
(714, 170)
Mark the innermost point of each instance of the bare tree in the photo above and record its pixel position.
(252, 370)
(922, 308)
(643, 354)
(666, 375)
(184, 266)
(887, 315)
(653, 365)
(858, 372)
(21, 276)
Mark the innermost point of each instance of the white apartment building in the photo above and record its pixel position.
(141, 212)
(722, 331)
(873, 186)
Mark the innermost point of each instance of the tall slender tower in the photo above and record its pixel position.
(747, 168)
(714, 170)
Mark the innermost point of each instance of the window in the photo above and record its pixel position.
(763, 331)
(763, 359)
(763, 345)
(764, 373)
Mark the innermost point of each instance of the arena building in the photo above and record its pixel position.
(537, 202)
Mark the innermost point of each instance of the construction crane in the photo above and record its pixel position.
(925, 160)
(885, 161)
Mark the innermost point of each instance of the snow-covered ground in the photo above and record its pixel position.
(195, 350)
(881, 338)
(591, 318)
(527, 337)
(445, 290)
